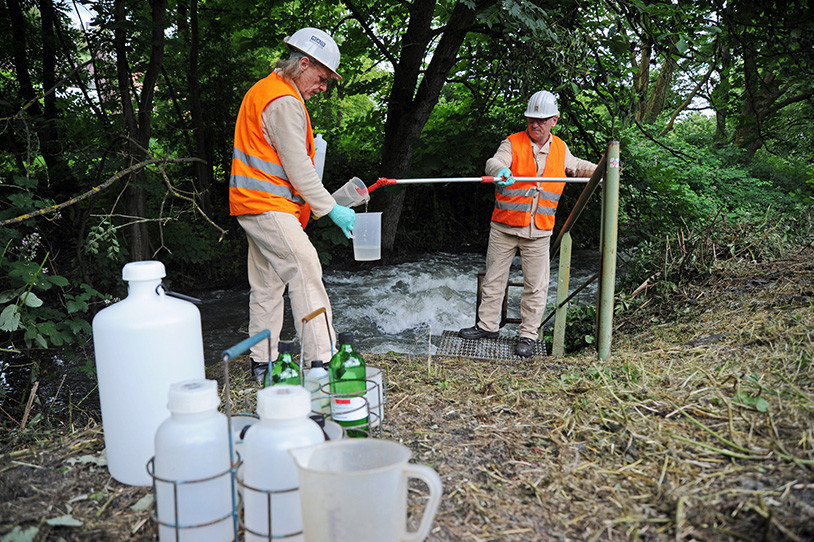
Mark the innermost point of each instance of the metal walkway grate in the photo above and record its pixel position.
(501, 348)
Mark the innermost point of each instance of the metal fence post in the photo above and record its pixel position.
(610, 230)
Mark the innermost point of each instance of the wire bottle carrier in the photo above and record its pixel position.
(374, 393)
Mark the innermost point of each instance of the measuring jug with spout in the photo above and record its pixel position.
(356, 490)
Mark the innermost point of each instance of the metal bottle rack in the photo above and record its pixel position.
(375, 423)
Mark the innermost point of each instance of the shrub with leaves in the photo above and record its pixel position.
(37, 308)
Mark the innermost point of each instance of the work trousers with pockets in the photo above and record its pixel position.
(281, 256)
(534, 260)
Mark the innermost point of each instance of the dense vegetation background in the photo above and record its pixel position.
(116, 134)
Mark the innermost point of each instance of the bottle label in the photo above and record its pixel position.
(348, 409)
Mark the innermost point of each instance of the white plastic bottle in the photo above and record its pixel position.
(142, 344)
(316, 379)
(321, 147)
(284, 424)
(192, 446)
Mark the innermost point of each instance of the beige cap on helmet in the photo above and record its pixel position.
(318, 45)
(542, 105)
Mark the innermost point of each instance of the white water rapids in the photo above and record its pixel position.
(393, 308)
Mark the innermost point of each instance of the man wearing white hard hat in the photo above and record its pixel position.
(523, 219)
(274, 188)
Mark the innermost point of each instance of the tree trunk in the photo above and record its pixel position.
(655, 104)
(412, 101)
(641, 79)
(203, 171)
(138, 124)
(720, 95)
(205, 175)
(760, 92)
(63, 183)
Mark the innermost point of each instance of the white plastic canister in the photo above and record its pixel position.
(320, 150)
(284, 424)
(142, 344)
(193, 486)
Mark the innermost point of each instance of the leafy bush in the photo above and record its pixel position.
(38, 308)
(580, 330)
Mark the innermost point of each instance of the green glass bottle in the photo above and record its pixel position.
(347, 375)
(284, 370)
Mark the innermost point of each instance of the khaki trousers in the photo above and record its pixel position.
(534, 259)
(281, 256)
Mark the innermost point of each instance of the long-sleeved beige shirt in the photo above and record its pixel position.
(503, 158)
(285, 127)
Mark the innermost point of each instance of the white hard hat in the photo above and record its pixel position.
(317, 44)
(542, 105)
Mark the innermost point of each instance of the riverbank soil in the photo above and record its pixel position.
(700, 426)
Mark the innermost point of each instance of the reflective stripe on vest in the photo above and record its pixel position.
(513, 204)
(258, 182)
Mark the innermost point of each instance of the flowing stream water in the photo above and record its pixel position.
(401, 308)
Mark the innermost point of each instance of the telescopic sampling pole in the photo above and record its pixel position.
(485, 179)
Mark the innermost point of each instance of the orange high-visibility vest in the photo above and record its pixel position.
(258, 182)
(513, 203)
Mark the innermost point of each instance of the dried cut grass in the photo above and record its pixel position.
(698, 427)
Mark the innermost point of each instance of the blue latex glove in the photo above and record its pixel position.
(504, 177)
(344, 217)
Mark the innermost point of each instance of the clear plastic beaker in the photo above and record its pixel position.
(367, 237)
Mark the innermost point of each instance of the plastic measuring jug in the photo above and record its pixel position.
(352, 193)
(356, 489)
(367, 237)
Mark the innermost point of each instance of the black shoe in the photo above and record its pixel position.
(476, 332)
(525, 347)
(259, 371)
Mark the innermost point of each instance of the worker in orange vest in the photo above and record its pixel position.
(274, 188)
(523, 219)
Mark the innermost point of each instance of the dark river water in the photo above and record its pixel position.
(400, 308)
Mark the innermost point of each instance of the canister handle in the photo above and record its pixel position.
(176, 295)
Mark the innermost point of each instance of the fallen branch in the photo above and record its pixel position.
(97, 189)
(29, 404)
(192, 201)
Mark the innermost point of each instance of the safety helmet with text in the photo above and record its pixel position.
(318, 45)
(542, 105)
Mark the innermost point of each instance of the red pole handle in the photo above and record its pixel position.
(379, 183)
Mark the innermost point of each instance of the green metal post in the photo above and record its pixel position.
(563, 277)
(610, 230)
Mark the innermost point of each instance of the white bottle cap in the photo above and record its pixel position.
(283, 402)
(144, 270)
(193, 396)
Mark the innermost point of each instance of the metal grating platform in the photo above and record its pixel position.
(501, 348)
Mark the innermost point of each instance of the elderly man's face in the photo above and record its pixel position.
(313, 79)
(540, 129)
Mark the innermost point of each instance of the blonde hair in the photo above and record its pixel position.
(289, 69)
